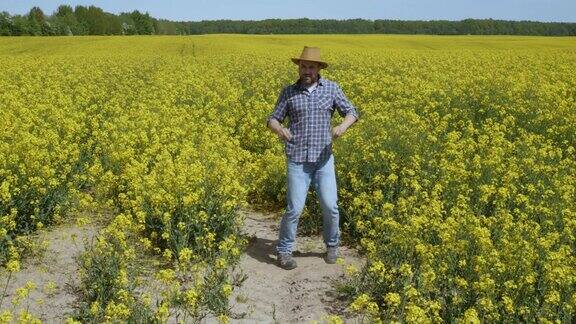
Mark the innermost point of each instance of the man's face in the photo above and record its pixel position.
(308, 71)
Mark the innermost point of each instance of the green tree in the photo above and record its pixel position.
(82, 27)
(142, 22)
(36, 20)
(65, 21)
(5, 24)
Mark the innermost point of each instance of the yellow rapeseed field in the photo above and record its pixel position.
(459, 182)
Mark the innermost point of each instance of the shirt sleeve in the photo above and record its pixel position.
(343, 105)
(280, 109)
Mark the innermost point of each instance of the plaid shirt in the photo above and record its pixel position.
(310, 115)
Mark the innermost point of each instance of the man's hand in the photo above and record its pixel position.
(338, 131)
(284, 134)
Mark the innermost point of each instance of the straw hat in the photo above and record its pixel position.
(310, 54)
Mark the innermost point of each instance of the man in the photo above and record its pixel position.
(310, 104)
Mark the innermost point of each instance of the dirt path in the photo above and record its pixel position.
(272, 294)
(54, 274)
(269, 294)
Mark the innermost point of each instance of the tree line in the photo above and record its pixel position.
(91, 20)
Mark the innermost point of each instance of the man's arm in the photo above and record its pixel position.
(277, 117)
(345, 109)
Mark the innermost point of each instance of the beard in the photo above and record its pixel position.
(308, 79)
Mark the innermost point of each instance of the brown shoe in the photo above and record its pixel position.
(331, 254)
(285, 261)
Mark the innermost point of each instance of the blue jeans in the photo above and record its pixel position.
(300, 175)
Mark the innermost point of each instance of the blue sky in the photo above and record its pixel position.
(194, 10)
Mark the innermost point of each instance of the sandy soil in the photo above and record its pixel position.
(54, 274)
(271, 294)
